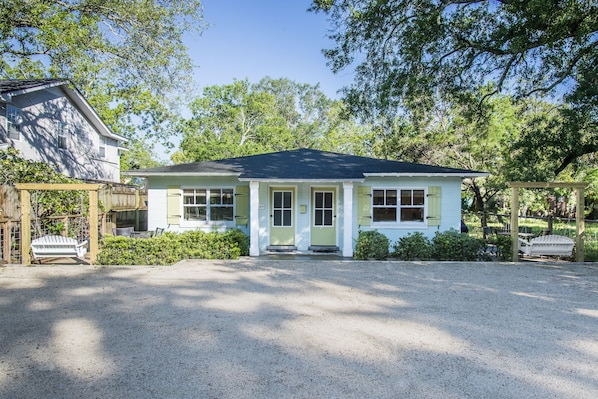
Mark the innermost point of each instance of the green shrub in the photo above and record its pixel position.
(453, 245)
(413, 246)
(371, 244)
(170, 248)
(240, 238)
(504, 246)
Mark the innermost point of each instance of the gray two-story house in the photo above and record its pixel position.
(48, 120)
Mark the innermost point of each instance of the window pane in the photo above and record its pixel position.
(277, 199)
(391, 197)
(406, 197)
(286, 218)
(194, 213)
(200, 197)
(215, 194)
(319, 200)
(62, 142)
(418, 197)
(277, 218)
(227, 196)
(187, 200)
(221, 213)
(378, 197)
(14, 119)
(319, 219)
(327, 218)
(412, 214)
(328, 200)
(287, 199)
(385, 214)
(188, 197)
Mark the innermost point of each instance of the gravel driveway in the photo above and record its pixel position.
(300, 329)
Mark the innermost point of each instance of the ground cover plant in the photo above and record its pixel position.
(170, 248)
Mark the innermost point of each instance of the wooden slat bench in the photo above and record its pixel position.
(550, 245)
(57, 247)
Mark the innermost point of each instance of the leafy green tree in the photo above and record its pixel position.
(126, 56)
(241, 118)
(405, 53)
(15, 169)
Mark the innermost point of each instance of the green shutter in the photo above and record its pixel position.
(173, 204)
(434, 206)
(364, 204)
(242, 205)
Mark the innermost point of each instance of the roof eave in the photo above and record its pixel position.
(92, 115)
(8, 95)
(170, 174)
(456, 174)
(277, 180)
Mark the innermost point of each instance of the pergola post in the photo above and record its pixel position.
(26, 214)
(515, 224)
(579, 214)
(25, 227)
(579, 225)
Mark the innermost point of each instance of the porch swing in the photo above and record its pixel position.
(55, 246)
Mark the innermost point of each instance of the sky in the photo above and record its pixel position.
(257, 38)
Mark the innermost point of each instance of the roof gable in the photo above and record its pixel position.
(17, 87)
(304, 164)
(20, 86)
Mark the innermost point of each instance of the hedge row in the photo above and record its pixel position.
(170, 248)
(446, 245)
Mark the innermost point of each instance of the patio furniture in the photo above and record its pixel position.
(551, 245)
(123, 231)
(52, 246)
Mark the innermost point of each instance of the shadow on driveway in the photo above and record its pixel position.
(326, 329)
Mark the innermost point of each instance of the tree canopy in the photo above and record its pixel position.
(242, 118)
(409, 48)
(126, 56)
(409, 53)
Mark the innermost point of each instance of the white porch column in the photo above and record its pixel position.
(348, 219)
(254, 218)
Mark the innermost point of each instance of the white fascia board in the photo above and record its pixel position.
(302, 180)
(186, 174)
(9, 95)
(462, 175)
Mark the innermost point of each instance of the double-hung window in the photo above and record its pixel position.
(398, 205)
(102, 147)
(14, 119)
(208, 204)
(412, 205)
(384, 205)
(61, 135)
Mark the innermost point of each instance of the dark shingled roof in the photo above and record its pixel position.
(302, 164)
(7, 86)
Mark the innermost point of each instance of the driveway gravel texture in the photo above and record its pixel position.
(300, 329)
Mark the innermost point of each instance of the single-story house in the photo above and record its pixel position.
(305, 200)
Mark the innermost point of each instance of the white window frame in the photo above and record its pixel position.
(209, 191)
(324, 209)
(61, 133)
(102, 144)
(283, 209)
(14, 118)
(399, 206)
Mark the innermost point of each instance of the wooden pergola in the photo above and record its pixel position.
(24, 188)
(579, 215)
